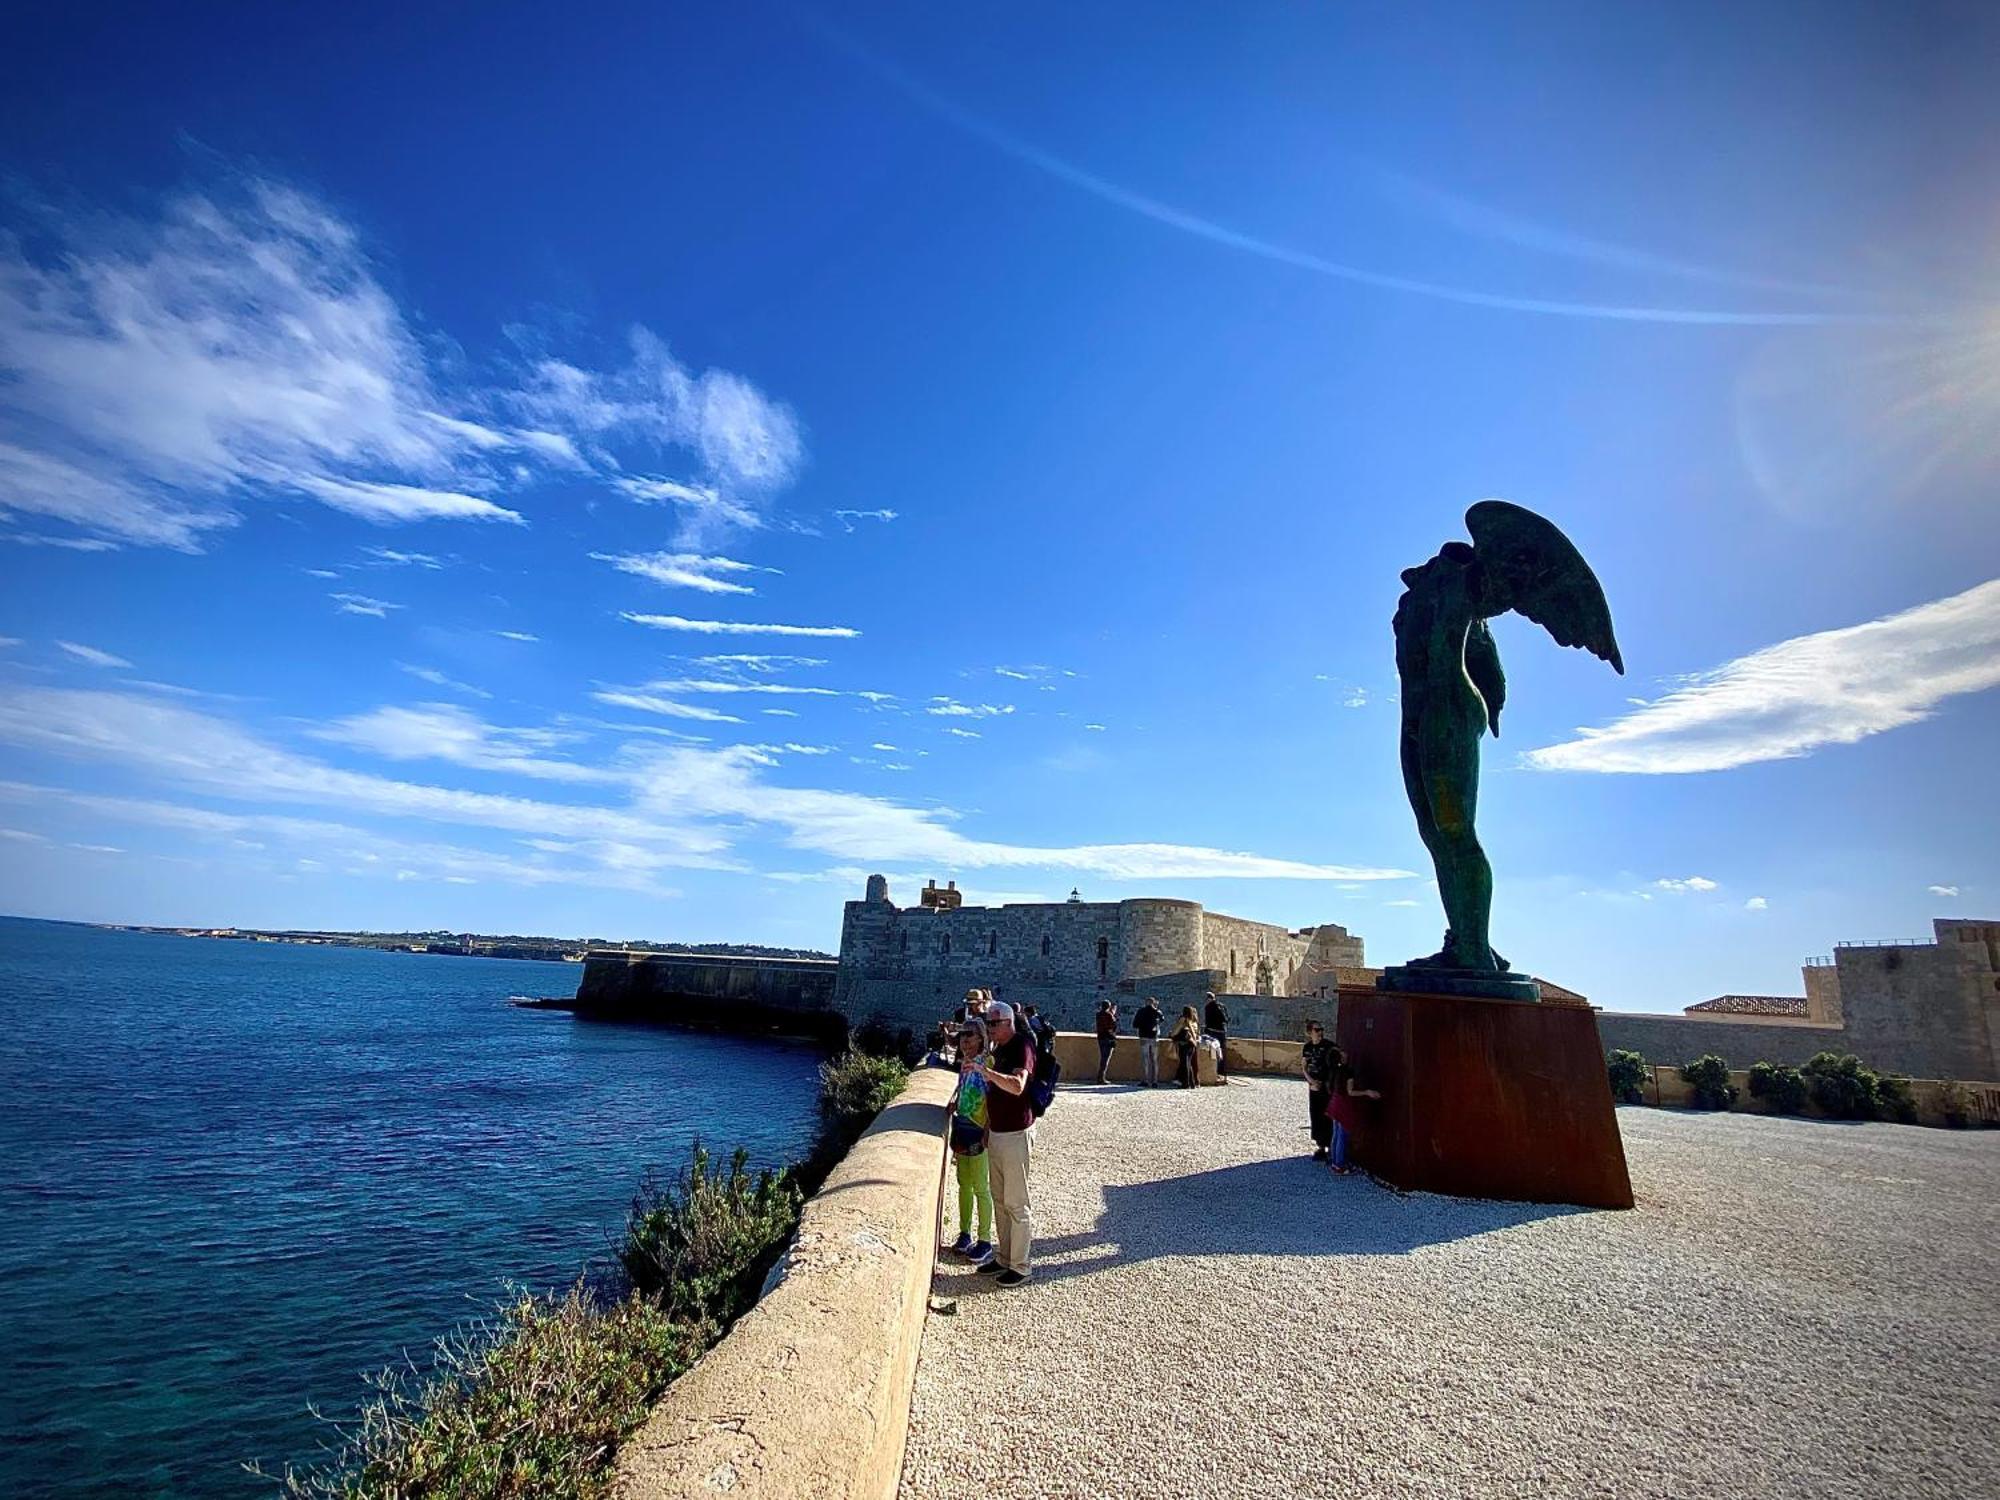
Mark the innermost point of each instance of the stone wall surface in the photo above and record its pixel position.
(808, 1396)
(1923, 1009)
(1677, 1039)
(785, 995)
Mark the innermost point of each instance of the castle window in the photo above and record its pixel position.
(1103, 957)
(1045, 945)
(1232, 963)
(947, 943)
(906, 940)
(992, 944)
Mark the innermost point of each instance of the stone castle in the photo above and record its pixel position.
(1066, 956)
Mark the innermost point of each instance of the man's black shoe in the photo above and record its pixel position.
(991, 1268)
(1011, 1279)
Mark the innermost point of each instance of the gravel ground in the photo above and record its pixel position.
(1795, 1308)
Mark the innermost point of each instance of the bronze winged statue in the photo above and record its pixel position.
(1452, 693)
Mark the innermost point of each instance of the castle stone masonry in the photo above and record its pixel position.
(918, 961)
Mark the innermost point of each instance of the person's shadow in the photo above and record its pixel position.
(1285, 1206)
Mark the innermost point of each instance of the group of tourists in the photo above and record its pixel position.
(1007, 1073)
(1190, 1034)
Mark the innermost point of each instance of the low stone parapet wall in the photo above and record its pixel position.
(1077, 1052)
(1665, 1088)
(809, 1394)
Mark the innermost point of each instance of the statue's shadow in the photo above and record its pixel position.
(1286, 1206)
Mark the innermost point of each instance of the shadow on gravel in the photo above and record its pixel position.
(1289, 1206)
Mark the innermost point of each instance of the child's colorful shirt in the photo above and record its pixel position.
(971, 1098)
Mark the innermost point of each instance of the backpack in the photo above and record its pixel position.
(1041, 1089)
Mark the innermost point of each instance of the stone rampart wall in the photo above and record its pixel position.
(1674, 1039)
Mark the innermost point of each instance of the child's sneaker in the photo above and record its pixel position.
(980, 1254)
(962, 1244)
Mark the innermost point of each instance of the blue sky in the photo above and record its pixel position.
(412, 431)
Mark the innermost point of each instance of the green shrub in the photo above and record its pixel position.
(1894, 1101)
(701, 1244)
(1629, 1077)
(1841, 1086)
(1955, 1103)
(1707, 1078)
(1783, 1089)
(531, 1407)
(859, 1085)
(876, 1038)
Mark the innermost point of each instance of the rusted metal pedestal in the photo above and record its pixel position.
(1484, 1098)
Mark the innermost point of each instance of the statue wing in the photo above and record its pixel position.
(1534, 569)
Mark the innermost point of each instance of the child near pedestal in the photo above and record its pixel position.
(1343, 1088)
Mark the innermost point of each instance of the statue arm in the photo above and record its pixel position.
(1482, 666)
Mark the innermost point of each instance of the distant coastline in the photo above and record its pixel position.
(459, 944)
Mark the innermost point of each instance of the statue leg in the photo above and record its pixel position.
(1465, 879)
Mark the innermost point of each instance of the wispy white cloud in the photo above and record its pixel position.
(444, 731)
(389, 557)
(688, 570)
(9, 640)
(92, 655)
(964, 734)
(220, 758)
(745, 440)
(719, 685)
(361, 604)
(373, 500)
(1831, 688)
(739, 627)
(951, 708)
(1756, 903)
(60, 543)
(438, 679)
(754, 662)
(23, 836)
(239, 342)
(1944, 890)
(1690, 883)
(679, 805)
(157, 371)
(652, 703)
(847, 518)
(591, 863)
(780, 713)
(516, 635)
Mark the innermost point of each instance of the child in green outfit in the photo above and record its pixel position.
(968, 1148)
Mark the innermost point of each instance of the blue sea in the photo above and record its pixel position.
(235, 1177)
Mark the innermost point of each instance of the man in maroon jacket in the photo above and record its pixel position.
(1010, 1120)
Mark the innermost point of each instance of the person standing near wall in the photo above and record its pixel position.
(968, 1149)
(1146, 1024)
(1215, 1021)
(1010, 1136)
(1316, 1059)
(1107, 1038)
(1187, 1037)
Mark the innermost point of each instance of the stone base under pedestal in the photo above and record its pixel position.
(1483, 984)
(1484, 1098)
